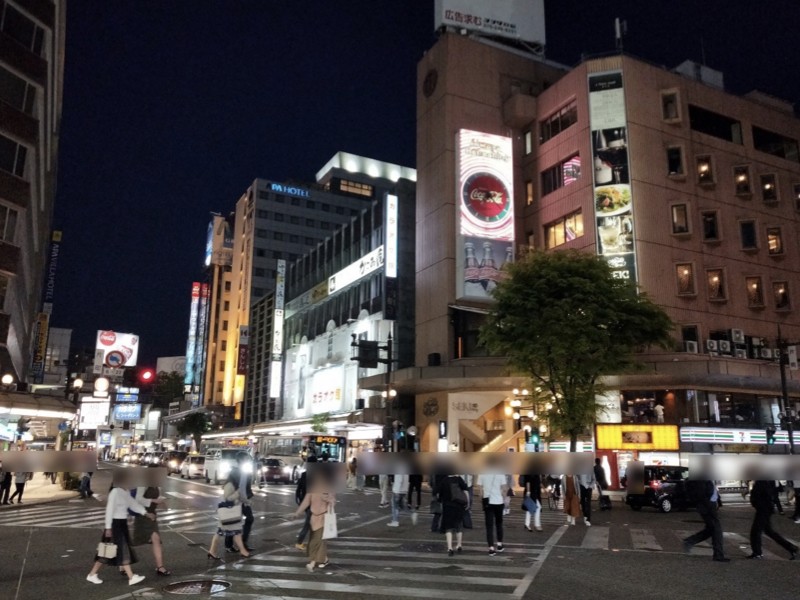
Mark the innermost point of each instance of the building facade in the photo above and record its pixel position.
(31, 75)
(686, 189)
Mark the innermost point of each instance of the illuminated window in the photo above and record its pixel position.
(705, 172)
(558, 121)
(755, 292)
(684, 274)
(747, 233)
(780, 294)
(529, 192)
(774, 241)
(528, 141)
(769, 188)
(715, 279)
(356, 188)
(675, 161)
(560, 175)
(563, 230)
(741, 180)
(680, 219)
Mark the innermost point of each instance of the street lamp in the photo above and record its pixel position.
(7, 381)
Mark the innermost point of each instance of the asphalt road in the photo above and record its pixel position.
(47, 550)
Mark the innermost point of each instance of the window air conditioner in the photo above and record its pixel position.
(711, 345)
(776, 354)
(766, 353)
(724, 346)
(690, 347)
(756, 341)
(741, 353)
(737, 336)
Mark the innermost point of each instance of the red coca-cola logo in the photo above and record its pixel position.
(107, 338)
(486, 197)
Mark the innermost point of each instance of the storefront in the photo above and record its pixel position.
(653, 444)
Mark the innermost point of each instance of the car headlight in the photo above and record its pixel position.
(224, 467)
(287, 469)
(173, 463)
(247, 467)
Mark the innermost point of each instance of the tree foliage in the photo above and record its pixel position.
(168, 388)
(195, 425)
(319, 422)
(564, 320)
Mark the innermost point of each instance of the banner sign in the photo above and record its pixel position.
(191, 340)
(514, 19)
(40, 334)
(127, 412)
(116, 350)
(244, 350)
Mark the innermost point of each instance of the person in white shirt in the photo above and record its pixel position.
(399, 491)
(118, 504)
(493, 487)
(659, 410)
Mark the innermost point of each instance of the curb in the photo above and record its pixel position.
(35, 502)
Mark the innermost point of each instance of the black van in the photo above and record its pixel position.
(661, 487)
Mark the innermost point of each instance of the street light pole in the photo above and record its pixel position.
(788, 413)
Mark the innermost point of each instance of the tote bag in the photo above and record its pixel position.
(106, 550)
(329, 528)
(229, 513)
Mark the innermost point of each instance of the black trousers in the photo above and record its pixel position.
(713, 529)
(19, 488)
(5, 490)
(301, 537)
(247, 513)
(796, 503)
(762, 525)
(414, 483)
(493, 517)
(586, 502)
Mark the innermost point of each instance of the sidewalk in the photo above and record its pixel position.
(39, 490)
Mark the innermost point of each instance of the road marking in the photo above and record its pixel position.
(179, 495)
(534, 569)
(643, 539)
(596, 538)
(205, 494)
(744, 545)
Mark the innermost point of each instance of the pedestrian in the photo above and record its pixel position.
(493, 494)
(587, 483)
(572, 495)
(5, 486)
(20, 479)
(230, 493)
(761, 497)
(659, 412)
(414, 484)
(145, 529)
(85, 488)
(118, 504)
(706, 495)
(299, 496)
(509, 492)
(532, 488)
(796, 488)
(383, 485)
(318, 499)
(451, 491)
(602, 484)
(777, 488)
(399, 492)
(359, 478)
(243, 482)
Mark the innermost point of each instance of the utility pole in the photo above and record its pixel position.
(788, 413)
(367, 354)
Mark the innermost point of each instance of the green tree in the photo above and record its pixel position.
(564, 320)
(168, 388)
(319, 422)
(195, 425)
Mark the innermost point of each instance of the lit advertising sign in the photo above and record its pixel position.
(244, 350)
(280, 285)
(353, 272)
(613, 202)
(93, 414)
(277, 334)
(191, 340)
(391, 235)
(200, 346)
(637, 437)
(289, 189)
(326, 390)
(127, 397)
(219, 243)
(486, 212)
(105, 438)
(50, 272)
(127, 412)
(275, 377)
(316, 294)
(515, 19)
(118, 349)
(275, 367)
(41, 332)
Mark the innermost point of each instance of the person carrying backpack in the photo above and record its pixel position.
(451, 490)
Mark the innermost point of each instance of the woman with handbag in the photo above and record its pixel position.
(319, 500)
(118, 504)
(451, 491)
(145, 530)
(532, 500)
(229, 526)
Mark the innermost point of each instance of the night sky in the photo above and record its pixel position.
(173, 107)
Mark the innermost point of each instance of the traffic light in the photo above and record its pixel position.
(770, 435)
(147, 375)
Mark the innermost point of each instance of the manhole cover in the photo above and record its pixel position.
(195, 587)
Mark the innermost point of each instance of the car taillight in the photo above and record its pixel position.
(655, 484)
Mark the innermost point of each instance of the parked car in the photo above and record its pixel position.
(663, 487)
(172, 460)
(193, 466)
(276, 470)
(219, 463)
(136, 458)
(146, 458)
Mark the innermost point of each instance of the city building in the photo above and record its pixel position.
(688, 190)
(31, 76)
(277, 222)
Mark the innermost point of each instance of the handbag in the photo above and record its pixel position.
(436, 507)
(467, 521)
(530, 505)
(329, 528)
(436, 523)
(106, 550)
(229, 513)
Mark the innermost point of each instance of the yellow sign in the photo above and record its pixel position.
(637, 437)
(239, 442)
(326, 439)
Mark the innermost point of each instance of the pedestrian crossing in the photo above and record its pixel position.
(366, 567)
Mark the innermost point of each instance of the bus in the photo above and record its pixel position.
(295, 449)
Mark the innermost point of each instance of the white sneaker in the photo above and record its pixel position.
(587, 521)
(393, 524)
(135, 579)
(414, 517)
(94, 579)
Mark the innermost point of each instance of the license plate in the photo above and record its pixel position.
(276, 476)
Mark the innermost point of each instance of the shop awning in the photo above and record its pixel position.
(35, 406)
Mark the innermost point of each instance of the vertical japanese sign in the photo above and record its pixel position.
(40, 334)
(485, 200)
(391, 235)
(613, 202)
(244, 350)
(276, 364)
(191, 340)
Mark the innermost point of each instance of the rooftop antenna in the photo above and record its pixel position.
(620, 29)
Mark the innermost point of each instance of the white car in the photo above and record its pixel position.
(193, 466)
(219, 463)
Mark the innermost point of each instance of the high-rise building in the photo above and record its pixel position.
(31, 74)
(278, 222)
(686, 189)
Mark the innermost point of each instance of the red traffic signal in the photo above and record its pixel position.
(147, 375)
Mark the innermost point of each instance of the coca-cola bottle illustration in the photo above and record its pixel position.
(472, 276)
(503, 273)
(488, 271)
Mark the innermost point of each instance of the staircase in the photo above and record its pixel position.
(503, 442)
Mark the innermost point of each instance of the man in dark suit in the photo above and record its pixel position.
(241, 473)
(762, 497)
(706, 495)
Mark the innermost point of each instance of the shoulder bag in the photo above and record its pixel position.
(329, 527)
(229, 513)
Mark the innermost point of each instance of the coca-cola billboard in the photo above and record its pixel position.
(116, 350)
(486, 212)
